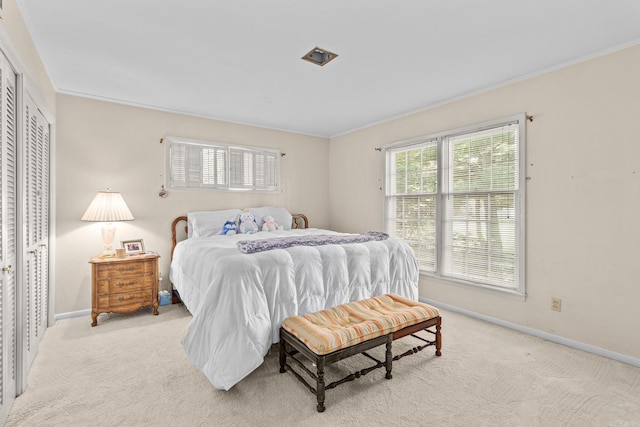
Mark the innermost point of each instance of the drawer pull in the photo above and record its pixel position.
(123, 269)
(131, 297)
(131, 283)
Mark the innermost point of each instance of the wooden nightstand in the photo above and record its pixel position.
(123, 285)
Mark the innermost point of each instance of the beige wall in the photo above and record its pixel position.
(102, 144)
(21, 51)
(583, 196)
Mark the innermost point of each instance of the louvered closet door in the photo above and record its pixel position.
(36, 228)
(8, 240)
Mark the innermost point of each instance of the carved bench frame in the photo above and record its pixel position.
(290, 345)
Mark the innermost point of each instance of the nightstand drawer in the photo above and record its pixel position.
(113, 301)
(123, 269)
(125, 284)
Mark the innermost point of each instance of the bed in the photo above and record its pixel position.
(239, 300)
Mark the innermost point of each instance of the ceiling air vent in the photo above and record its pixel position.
(319, 56)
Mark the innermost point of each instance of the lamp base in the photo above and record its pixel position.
(108, 231)
(107, 254)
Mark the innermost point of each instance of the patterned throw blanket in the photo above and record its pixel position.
(252, 246)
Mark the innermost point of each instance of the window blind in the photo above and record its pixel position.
(457, 198)
(411, 199)
(480, 184)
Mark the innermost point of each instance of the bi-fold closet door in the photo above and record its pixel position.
(35, 226)
(24, 233)
(8, 236)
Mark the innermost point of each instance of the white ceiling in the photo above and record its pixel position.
(240, 60)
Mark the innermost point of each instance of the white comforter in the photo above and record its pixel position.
(238, 301)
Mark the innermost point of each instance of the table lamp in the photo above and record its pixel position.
(107, 207)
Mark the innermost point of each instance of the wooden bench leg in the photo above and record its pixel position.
(418, 327)
(320, 383)
(389, 357)
(283, 356)
(438, 337)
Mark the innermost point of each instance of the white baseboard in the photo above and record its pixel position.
(71, 314)
(540, 334)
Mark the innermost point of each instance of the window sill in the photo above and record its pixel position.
(473, 285)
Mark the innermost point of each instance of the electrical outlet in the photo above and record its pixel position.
(556, 304)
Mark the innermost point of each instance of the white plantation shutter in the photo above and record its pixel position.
(206, 166)
(195, 164)
(247, 169)
(260, 168)
(193, 160)
(214, 166)
(458, 199)
(253, 169)
(272, 171)
(178, 165)
(241, 169)
(236, 174)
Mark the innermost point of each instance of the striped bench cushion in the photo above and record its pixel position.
(348, 324)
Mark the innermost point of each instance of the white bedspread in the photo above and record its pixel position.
(238, 301)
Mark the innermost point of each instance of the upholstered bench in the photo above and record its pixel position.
(334, 334)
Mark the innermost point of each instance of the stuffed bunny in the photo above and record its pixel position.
(270, 224)
(247, 223)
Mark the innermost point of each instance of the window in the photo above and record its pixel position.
(203, 165)
(458, 199)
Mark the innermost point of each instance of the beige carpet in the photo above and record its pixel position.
(132, 371)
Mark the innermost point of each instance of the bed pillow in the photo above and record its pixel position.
(280, 215)
(209, 223)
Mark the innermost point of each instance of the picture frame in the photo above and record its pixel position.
(133, 247)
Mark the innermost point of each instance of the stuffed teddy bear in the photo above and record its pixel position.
(229, 228)
(247, 223)
(270, 224)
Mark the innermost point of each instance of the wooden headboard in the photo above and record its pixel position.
(297, 221)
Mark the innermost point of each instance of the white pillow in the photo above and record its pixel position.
(280, 215)
(209, 223)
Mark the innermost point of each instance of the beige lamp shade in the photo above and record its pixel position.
(107, 206)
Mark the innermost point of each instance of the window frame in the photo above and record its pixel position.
(265, 180)
(519, 120)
